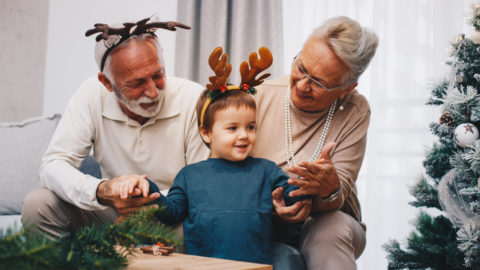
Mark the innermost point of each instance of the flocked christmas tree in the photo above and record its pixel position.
(451, 184)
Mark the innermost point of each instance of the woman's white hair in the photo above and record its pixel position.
(100, 49)
(353, 44)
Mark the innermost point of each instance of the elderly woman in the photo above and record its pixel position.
(318, 103)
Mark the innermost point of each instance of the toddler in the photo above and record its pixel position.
(226, 201)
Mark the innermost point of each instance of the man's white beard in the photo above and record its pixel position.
(134, 105)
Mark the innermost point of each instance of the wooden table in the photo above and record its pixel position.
(177, 261)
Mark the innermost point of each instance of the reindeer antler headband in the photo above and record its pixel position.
(222, 72)
(129, 29)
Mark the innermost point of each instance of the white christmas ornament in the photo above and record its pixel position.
(456, 206)
(465, 134)
(475, 37)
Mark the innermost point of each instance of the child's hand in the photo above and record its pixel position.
(293, 214)
(132, 185)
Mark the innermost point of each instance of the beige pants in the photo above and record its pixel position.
(332, 240)
(50, 214)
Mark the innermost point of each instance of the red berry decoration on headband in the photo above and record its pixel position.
(223, 88)
(245, 87)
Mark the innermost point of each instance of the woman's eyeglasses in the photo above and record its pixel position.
(312, 83)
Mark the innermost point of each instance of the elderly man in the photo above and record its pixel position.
(140, 124)
(318, 103)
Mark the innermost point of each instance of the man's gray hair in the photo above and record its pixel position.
(100, 49)
(353, 44)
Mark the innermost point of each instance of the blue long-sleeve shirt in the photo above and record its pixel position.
(227, 207)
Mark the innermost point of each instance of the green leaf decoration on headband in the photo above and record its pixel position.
(214, 94)
(252, 91)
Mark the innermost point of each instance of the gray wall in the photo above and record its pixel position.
(23, 47)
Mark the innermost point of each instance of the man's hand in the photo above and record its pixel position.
(293, 214)
(117, 191)
(317, 178)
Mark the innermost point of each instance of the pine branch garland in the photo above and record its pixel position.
(93, 247)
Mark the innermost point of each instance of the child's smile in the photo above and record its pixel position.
(242, 146)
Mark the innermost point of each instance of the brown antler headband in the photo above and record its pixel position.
(222, 72)
(130, 29)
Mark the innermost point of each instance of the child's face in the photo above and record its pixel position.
(233, 134)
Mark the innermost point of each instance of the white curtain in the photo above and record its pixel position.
(413, 44)
(239, 27)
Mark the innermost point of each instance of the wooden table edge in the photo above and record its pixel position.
(135, 262)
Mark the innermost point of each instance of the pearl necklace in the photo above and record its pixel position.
(288, 131)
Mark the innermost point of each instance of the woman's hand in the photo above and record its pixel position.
(317, 178)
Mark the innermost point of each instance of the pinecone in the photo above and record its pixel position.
(448, 119)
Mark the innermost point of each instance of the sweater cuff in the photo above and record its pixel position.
(89, 194)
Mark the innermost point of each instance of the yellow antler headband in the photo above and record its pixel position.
(222, 72)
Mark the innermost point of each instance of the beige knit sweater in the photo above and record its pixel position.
(348, 129)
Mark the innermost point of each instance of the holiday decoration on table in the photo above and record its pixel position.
(158, 249)
(89, 248)
(450, 240)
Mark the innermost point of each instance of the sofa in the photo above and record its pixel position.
(22, 147)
